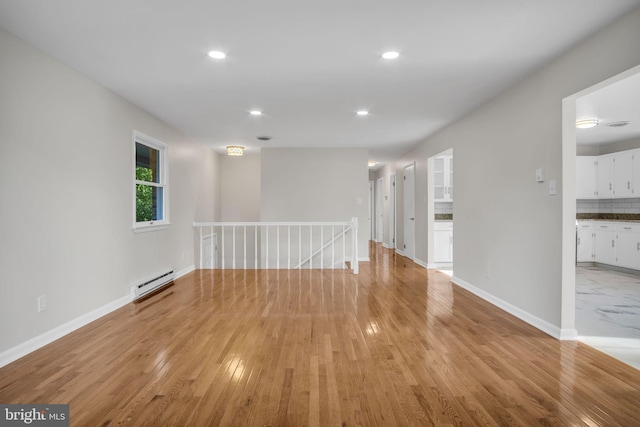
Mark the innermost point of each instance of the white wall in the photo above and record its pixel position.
(316, 184)
(66, 195)
(240, 189)
(508, 239)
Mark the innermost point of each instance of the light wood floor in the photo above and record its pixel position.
(395, 345)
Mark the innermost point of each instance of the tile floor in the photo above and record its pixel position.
(608, 312)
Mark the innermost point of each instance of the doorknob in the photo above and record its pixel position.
(412, 219)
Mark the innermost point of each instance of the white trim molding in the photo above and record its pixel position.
(521, 314)
(21, 350)
(50, 336)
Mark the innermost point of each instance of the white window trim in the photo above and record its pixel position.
(141, 138)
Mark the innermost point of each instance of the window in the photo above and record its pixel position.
(151, 183)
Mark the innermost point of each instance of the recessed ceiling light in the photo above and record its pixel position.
(216, 54)
(363, 113)
(255, 112)
(390, 55)
(587, 123)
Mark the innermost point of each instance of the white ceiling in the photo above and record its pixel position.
(617, 102)
(309, 65)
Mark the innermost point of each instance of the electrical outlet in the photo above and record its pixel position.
(42, 303)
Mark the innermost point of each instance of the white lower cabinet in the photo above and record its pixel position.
(443, 241)
(613, 243)
(585, 243)
(628, 246)
(605, 243)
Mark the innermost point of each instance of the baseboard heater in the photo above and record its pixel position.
(155, 284)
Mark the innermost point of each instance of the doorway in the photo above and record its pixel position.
(441, 211)
(570, 303)
(409, 196)
(379, 210)
(392, 211)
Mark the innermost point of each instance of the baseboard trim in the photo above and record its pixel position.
(21, 350)
(421, 263)
(185, 271)
(431, 266)
(521, 314)
(50, 336)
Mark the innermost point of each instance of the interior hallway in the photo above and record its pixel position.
(394, 345)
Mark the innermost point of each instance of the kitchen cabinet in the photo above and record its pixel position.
(585, 242)
(443, 241)
(587, 177)
(613, 243)
(628, 246)
(617, 175)
(443, 178)
(605, 177)
(622, 174)
(635, 173)
(605, 243)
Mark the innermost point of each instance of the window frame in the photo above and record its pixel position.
(163, 150)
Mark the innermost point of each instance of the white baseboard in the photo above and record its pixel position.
(431, 266)
(523, 315)
(399, 252)
(185, 271)
(50, 336)
(569, 334)
(421, 263)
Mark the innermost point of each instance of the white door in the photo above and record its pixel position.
(379, 210)
(371, 212)
(409, 195)
(392, 212)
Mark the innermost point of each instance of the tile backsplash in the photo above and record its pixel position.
(445, 207)
(631, 206)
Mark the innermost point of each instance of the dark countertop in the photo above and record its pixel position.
(445, 217)
(608, 217)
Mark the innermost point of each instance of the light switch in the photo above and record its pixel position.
(539, 175)
(552, 187)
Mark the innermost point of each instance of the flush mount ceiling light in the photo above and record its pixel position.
(587, 123)
(235, 150)
(255, 112)
(372, 163)
(216, 54)
(362, 113)
(390, 55)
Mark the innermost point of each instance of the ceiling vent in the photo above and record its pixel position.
(618, 124)
(264, 138)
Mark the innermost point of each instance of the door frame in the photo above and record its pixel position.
(409, 250)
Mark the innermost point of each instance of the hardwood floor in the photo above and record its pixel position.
(395, 345)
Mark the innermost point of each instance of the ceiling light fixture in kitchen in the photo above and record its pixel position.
(255, 112)
(587, 123)
(390, 55)
(216, 54)
(363, 113)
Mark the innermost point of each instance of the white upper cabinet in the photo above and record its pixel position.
(635, 173)
(587, 177)
(610, 176)
(605, 177)
(443, 178)
(622, 174)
